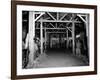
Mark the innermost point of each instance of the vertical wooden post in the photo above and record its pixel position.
(87, 26)
(73, 36)
(66, 38)
(31, 36)
(41, 36)
(45, 36)
(57, 16)
(87, 32)
(50, 41)
(56, 24)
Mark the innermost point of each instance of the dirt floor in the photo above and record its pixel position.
(59, 58)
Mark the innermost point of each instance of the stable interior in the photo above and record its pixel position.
(58, 33)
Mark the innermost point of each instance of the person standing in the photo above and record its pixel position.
(78, 48)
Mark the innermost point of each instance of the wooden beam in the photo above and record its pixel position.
(45, 35)
(39, 16)
(52, 25)
(69, 29)
(56, 32)
(87, 25)
(57, 15)
(51, 15)
(67, 38)
(82, 18)
(38, 12)
(83, 15)
(87, 32)
(45, 38)
(56, 25)
(58, 28)
(70, 20)
(73, 37)
(58, 21)
(63, 16)
(52, 28)
(31, 36)
(41, 36)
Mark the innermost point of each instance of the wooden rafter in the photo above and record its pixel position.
(83, 15)
(52, 28)
(81, 18)
(39, 16)
(70, 19)
(63, 16)
(61, 26)
(56, 32)
(51, 16)
(52, 25)
(69, 29)
(58, 21)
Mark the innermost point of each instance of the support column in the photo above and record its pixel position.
(87, 32)
(45, 37)
(73, 37)
(87, 26)
(31, 35)
(57, 16)
(56, 25)
(41, 36)
(66, 38)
